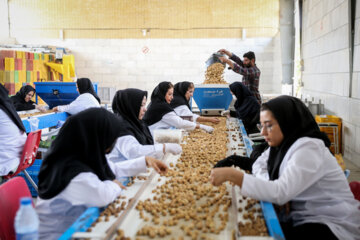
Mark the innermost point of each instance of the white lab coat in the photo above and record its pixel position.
(312, 180)
(172, 120)
(81, 103)
(12, 141)
(183, 110)
(85, 190)
(128, 147)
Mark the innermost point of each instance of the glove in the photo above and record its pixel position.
(244, 163)
(207, 128)
(226, 162)
(173, 148)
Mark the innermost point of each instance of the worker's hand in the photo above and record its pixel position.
(219, 175)
(214, 120)
(173, 148)
(224, 51)
(156, 164)
(206, 128)
(40, 108)
(119, 183)
(55, 109)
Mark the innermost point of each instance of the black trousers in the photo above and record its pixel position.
(308, 231)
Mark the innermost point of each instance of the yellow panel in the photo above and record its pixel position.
(9, 64)
(126, 18)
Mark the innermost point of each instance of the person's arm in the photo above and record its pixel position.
(208, 119)
(259, 168)
(183, 110)
(81, 103)
(129, 147)
(238, 68)
(62, 108)
(87, 189)
(236, 59)
(133, 167)
(24, 106)
(243, 70)
(174, 120)
(128, 168)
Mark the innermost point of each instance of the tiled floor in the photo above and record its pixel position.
(354, 171)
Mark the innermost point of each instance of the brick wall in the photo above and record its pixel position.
(326, 74)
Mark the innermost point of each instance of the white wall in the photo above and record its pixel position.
(326, 75)
(4, 22)
(121, 63)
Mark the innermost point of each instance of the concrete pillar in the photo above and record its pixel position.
(287, 39)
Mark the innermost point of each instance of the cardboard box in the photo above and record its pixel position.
(29, 65)
(29, 76)
(17, 87)
(18, 64)
(2, 77)
(9, 64)
(2, 64)
(16, 76)
(10, 87)
(9, 77)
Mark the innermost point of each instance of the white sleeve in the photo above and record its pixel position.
(304, 168)
(174, 120)
(259, 168)
(195, 117)
(131, 167)
(63, 108)
(183, 110)
(87, 189)
(81, 103)
(129, 147)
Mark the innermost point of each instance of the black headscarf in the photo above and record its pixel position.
(85, 86)
(158, 106)
(180, 90)
(7, 106)
(19, 99)
(127, 103)
(246, 104)
(79, 147)
(295, 121)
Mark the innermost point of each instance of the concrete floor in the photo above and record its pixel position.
(354, 171)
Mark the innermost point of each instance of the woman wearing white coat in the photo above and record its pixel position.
(160, 115)
(87, 99)
(12, 135)
(129, 105)
(75, 174)
(183, 91)
(298, 170)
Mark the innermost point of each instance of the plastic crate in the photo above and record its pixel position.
(33, 171)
